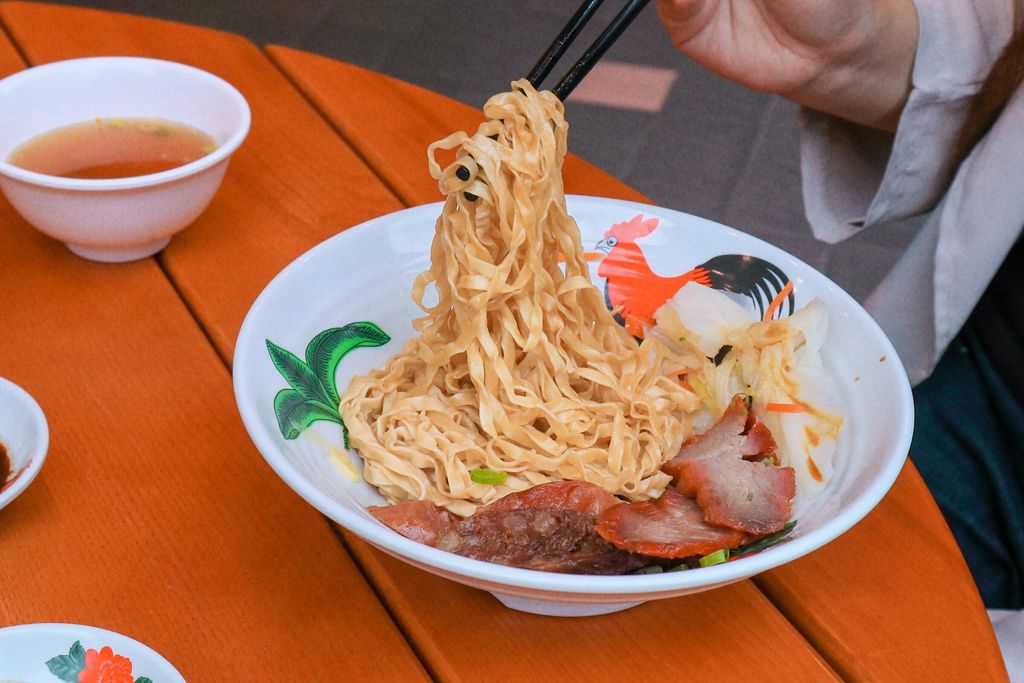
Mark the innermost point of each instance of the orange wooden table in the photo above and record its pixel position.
(156, 517)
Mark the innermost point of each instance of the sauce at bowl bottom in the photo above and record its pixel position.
(5, 474)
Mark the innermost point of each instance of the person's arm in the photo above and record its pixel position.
(849, 58)
(859, 67)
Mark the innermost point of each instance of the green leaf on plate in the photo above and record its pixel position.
(66, 667)
(77, 652)
(143, 679)
(294, 413)
(284, 403)
(326, 350)
(298, 374)
(313, 394)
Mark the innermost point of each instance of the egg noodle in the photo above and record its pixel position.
(519, 367)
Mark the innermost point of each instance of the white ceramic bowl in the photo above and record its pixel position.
(25, 435)
(366, 274)
(57, 652)
(119, 219)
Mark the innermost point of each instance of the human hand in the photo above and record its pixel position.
(851, 58)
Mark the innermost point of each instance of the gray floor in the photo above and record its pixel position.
(715, 150)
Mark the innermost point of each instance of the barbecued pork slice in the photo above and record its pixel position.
(560, 495)
(739, 494)
(547, 539)
(420, 520)
(673, 526)
(737, 433)
(549, 527)
(759, 443)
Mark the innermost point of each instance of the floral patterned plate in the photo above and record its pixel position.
(24, 438)
(50, 653)
(345, 307)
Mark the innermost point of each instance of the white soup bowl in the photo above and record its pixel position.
(117, 219)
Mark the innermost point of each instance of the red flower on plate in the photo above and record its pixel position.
(105, 667)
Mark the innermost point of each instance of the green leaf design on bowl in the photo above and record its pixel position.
(67, 667)
(313, 394)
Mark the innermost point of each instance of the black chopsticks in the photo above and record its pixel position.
(592, 54)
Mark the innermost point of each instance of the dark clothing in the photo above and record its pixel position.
(998, 319)
(969, 437)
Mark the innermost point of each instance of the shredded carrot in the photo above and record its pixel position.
(587, 256)
(686, 385)
(786, 407)
(682, 371)
(777, 301)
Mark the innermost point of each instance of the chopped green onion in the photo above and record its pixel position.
(489, 477)
(717, 557)
(651, 569)
(766, 542)
(682, 567)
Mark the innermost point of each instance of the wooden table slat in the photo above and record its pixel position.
(864, 631)
(154, 515)
(464, 634)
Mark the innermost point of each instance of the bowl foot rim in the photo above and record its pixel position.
(552, 608)
(118, 254)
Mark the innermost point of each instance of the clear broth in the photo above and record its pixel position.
(113, 148)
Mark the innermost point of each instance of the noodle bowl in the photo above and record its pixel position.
(519, 367)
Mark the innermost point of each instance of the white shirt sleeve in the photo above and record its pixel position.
(856, 177)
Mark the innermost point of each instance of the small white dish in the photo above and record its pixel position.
(25, 435)
(50, 653)
(118, 219)
(366, 274)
